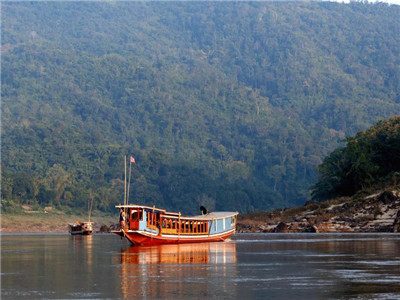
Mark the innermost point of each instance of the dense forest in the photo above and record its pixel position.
(231, 105)
(370, 158)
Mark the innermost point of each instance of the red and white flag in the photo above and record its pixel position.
(132, 160)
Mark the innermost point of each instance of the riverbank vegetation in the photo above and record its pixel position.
(370, 159)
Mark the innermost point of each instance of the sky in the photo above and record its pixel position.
(385, 1)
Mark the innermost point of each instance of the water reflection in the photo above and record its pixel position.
(272, 266)
(322, 266)
(82, 246)
(170, 267)
(180, 254)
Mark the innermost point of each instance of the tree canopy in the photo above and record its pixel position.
(369, 158)
(228, 104)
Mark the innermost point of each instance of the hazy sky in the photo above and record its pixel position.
(385, 1)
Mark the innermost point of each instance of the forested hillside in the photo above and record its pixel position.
(226, 104)
(370, 158)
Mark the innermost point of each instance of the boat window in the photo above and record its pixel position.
(135, 215)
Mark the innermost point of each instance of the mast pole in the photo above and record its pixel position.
(88, 207)
(125, 180)
(129, 180)
(91, 204)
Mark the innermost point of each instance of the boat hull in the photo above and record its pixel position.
(81, 233)
(147, 239)
(80, 229)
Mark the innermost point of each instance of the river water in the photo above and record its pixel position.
(249, 266)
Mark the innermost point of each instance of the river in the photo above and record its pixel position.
(249, 266)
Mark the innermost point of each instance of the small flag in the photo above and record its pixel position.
(132, 160)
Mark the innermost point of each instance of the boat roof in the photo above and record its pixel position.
(217, 214)
(140, 206)
(208, 216)
(80, 223)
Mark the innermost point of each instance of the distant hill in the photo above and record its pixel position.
(227, 104)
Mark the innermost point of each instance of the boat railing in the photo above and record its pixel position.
(183, 226)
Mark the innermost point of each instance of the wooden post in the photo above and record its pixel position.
(179, 225)
(153, 217)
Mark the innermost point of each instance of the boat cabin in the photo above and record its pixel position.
(160, 222)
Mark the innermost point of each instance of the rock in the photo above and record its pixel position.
(114, 227)
(396, 223)
(242, 228)
(376, 213)
(311, 229)
(345, 207)
(281, 228)
(294, 227)
(104, 228)
(253, 230)
(387, 197)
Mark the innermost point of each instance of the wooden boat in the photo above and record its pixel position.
(84, 228)
(146, 225)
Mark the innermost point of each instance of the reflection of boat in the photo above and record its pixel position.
(170, 271)
(84, 228)
(153, 226)
(181, 254)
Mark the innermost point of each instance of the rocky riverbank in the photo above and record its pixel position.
(378, 212)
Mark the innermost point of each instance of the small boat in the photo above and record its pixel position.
(84, 228)
(145, 225)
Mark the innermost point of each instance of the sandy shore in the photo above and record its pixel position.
(41, 222)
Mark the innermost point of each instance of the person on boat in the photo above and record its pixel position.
(121, 218)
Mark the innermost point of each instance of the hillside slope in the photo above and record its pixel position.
(360, 184)
(230, 105)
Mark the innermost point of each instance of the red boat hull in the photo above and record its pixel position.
(143, 238)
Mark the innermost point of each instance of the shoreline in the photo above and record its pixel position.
(376, 213)
(48, 222)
